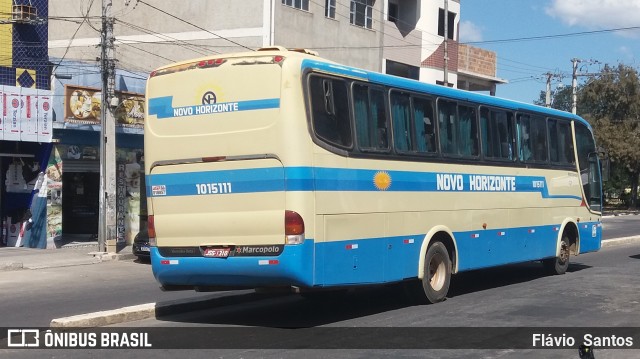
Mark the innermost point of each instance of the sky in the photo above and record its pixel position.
(568, 29)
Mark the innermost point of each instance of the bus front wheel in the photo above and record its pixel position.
(559, 264)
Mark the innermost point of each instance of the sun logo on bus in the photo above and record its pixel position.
(382, 180)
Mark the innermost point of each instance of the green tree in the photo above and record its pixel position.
(611, 103)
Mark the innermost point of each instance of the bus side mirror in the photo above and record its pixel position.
(605, 165)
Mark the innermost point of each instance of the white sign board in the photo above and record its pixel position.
(14, 110)
(29, 117)
(3, 111)
(26, 114)
(45, 106)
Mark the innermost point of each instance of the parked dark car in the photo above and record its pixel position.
(140, 246)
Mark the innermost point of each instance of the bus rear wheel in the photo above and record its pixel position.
(560, 264)
(434, 285)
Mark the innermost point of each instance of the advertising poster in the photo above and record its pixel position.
(3, 111)
(29, 114)
(44, 105)
(83, 104)
(13, 111)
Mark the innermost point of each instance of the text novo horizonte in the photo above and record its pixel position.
(206, 109)
(479, 183)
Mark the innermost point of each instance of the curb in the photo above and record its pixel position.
(111, 256)
(92, 258)
(619, 241)
(154, 310)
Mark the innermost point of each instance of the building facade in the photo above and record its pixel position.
(25, 122)
(401, 37)
(410, 38)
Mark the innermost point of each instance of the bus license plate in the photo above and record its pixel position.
(217, 252)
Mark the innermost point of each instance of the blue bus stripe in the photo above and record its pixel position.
(332, 179)
(162, 107)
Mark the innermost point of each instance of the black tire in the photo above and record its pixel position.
(559, 265)
(434, 285)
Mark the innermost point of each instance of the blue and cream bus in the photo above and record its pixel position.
(279, 168)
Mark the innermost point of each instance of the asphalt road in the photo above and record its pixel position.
(32, 298)
(599, 290)
(621, 226)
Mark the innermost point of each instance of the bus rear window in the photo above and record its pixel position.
(330, 110)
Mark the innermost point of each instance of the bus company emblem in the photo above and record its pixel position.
(209, 98)
(382, 180)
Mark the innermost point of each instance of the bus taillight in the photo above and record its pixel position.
(293, 227)
(211, 63)
(151, 231)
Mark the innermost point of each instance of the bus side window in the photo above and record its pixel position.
(467, 131)
(553, 141)
(424, 125)
(565, 146)
(446, 123)
(370, 117)
(330, 110)
(539, 132)
(525, 147)
(401, 119)
(497, 134)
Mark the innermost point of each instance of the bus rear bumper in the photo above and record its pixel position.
(293, 267)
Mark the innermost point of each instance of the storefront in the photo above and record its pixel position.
(73, 168)
(25, 145)
(25, 121)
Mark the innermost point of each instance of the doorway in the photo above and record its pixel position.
(80, 202)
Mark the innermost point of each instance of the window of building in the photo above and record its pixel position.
(330, 110)
(362, 13)
(298, 4)
(371, 119)
(496, 129)
(450, 24)
(393, 11)
(402, 70)
(330, 9)
(458, 129)
(532, 138)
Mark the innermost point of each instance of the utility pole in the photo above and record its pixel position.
(547, 101)
(446, 40)
(574, 86)
(107, 220)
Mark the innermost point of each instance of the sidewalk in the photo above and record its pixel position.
(17, 258)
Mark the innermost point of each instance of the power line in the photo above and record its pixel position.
(186, 45)
(194, 25)
(545, 37)
(74, 34)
